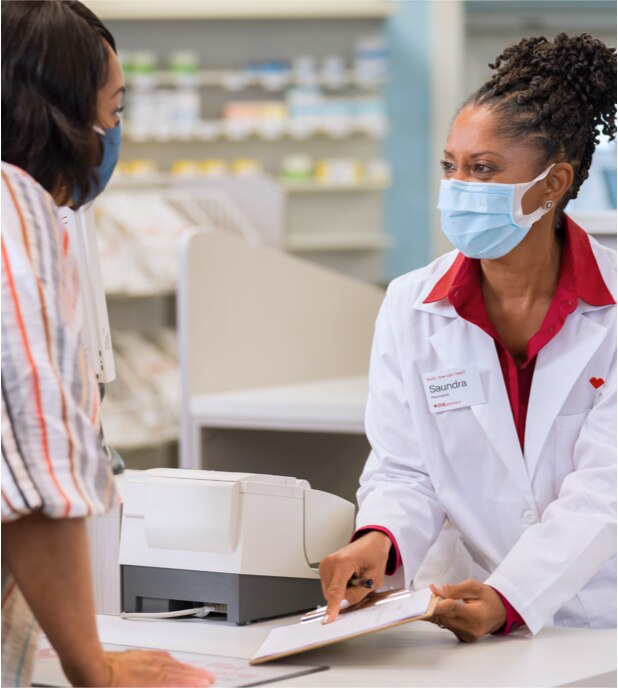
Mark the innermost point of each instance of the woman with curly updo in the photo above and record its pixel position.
(492, 386)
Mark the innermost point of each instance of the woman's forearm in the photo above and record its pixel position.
(49, 559)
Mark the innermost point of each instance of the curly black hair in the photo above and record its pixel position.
(557, 94)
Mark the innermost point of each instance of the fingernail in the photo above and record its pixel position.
(325, 620)
(344, 604)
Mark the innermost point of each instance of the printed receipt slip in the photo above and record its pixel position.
(376, 612)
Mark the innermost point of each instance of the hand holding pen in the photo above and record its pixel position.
(361, 583)
(352, 572)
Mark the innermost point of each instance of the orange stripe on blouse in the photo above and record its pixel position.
(93, 408)
(65, 421)
(9, 504)
(22, 223)
(35, 381)
(41, 295)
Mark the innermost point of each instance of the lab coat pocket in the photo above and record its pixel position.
(567, 430)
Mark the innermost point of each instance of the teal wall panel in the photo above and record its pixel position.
(407, 146)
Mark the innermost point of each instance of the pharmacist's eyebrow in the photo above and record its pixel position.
(448, 154)
(122, 89)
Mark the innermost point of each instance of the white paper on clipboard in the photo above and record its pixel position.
(96, 334)
(382, 610)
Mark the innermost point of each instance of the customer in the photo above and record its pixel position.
(62, 89)
(492, 388)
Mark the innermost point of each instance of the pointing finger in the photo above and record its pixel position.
(335, 591)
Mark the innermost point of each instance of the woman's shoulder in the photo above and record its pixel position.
(24, 200)
(606, 261)
(31, 226)
(14, 177)
(419, 282)
(603, 253)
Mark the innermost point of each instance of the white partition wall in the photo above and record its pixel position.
(252, 318)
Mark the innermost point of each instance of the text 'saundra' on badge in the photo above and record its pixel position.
(447, 390)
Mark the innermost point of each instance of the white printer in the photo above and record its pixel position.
(246, 544)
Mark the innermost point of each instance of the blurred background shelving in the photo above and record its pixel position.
(292, 90)
(279, 102)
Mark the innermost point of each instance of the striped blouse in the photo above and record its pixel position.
(52, 459)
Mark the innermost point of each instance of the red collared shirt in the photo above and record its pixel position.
(579, 278)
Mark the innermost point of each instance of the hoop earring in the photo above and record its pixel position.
(548, 204)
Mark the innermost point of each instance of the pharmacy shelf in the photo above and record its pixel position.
(312, 187)
(359, 241)
(240, 9)
(306, 186)
(155, 179)
(285, 133)
(235, 81)
(221, 76)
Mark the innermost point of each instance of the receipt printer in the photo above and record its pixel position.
(246, 544)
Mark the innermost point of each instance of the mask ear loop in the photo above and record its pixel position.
(518, 194)
(98, 130)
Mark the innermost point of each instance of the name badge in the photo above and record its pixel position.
(447, 390)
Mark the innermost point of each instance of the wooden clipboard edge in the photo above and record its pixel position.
(433, 602)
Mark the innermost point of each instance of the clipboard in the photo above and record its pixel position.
(376, 612)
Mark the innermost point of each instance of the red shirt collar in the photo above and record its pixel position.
(577, 257)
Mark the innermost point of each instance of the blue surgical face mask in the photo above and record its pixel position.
(110, 138)
(486, 220)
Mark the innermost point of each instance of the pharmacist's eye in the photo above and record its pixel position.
(446, 166)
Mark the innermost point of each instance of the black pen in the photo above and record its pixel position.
(360, 583)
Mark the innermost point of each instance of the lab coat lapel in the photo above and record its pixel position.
(461, 343)
(558, 366)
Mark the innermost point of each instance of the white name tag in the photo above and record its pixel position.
(447, 390)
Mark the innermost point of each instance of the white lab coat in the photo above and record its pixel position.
(542, 525)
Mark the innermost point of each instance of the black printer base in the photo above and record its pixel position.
(242, 598)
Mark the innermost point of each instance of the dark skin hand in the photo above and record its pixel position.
(49, 560)
(469, 609)
(364, 558)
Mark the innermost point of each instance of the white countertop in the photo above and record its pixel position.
(332, 405)
(416, 654)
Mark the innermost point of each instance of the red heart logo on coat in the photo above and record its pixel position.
(597, 382)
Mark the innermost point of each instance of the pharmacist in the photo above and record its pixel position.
(62, 89)
(492, 391)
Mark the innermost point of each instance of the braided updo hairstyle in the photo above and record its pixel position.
(558, 95)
